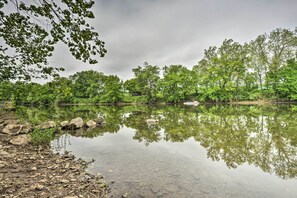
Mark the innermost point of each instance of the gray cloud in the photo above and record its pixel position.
(165, 32)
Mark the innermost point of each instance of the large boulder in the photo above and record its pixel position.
(76, 123)
(91, 124)
(21, 140)
(47, 125)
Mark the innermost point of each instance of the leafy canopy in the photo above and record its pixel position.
(30, 31)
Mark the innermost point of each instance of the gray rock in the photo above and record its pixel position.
(91, 124)
(76, 123)
(64, 124)
(47, 125)
(21, 140)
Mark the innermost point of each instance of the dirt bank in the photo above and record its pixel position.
(31, 171)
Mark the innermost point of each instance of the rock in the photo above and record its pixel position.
(21, 140)
(76, 123)
(99, 121)
(37, 187)
(155, 189)
(152, 121)
(12, 129)
(6, 122)
(34, 169)
(26, 129)
(3, 164)
(64, 181)
(47, 125)
(91, 124)
(64, 124)
(5, 154)
(67, 165)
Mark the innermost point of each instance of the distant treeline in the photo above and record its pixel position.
(265, 68)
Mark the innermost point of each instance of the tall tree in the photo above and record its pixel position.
(87, 84)
(147, 78)
(177, 83)
(287, 80)
(270, 53)
(222, 71)
(112, 91)
(29, 31)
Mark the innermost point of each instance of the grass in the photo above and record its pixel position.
(44, 136)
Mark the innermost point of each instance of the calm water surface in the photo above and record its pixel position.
(216, 151)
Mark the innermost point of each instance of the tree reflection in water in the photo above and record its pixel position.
(264, 136)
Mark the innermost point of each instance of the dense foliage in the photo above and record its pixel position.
(29, 31)
(265, 68)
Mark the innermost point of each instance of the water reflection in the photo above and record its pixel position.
(263, 136)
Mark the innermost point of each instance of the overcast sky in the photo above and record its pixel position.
(166, 32)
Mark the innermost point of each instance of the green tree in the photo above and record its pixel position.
(112, 91)
(87, 84)
(29, 32)
(287, 80)
(222, 71)
(270, 53)
(177, 84)
(132, 86)
(63, 89)
(147, 78)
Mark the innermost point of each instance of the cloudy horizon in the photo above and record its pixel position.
(170, 32)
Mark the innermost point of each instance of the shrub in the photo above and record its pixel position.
(42, 136)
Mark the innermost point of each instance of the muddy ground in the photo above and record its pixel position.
(36, 171)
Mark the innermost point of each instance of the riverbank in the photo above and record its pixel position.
(36, 171)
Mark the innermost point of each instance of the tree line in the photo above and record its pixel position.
(264, 68)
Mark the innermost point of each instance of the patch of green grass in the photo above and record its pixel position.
(44, 136)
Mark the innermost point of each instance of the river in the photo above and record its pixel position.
(204, 151)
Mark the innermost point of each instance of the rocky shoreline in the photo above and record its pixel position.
(27, 170)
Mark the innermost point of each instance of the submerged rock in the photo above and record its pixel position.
(76, 123)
